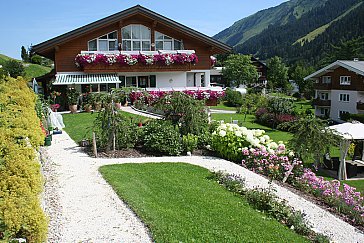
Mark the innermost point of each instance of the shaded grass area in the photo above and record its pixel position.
(79, 125)
(222, 106)
(179, 204)
(276, 135)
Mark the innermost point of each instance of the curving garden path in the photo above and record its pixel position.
(84, 208)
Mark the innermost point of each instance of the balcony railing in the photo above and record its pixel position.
(320, 102)
(360, 106)
(322, 86)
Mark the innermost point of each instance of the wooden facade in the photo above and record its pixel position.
(357, 80)
(65, 48)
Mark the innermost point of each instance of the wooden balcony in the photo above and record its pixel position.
(319, 102)
(360, 106)
(321, 86)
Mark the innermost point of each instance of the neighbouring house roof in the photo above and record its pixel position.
(45, 47)
(354, 66)
(64, 79)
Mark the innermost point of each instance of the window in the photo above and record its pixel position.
(344, 97)
(343, 114)
(324, 96)
(326, 79)
(345, 80)
(260, 74)
(138, 81)
(131, 81)
(136, 38)
(324, 112)
(164, 42)
(106, 42)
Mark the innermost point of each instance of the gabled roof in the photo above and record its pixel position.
(354, 66)
(123, 14)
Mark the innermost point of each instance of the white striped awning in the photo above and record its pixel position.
(64, 79)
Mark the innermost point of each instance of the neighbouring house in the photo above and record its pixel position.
(217, 79)
(135, 47)
(339, 89)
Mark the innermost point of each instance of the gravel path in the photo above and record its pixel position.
(91, 211)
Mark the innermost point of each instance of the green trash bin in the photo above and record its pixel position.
(48, 141)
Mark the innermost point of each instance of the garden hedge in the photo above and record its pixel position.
(21, 214)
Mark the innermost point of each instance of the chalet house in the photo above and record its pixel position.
(135, 47)
(339, 89)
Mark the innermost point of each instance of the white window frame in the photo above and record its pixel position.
(345, 80)
(344, 97)
(260, 74)
(339, 113)
(324, 109)
(326, 79)
(166, 38)
(326, 94)
(107, 39)
(140, 40)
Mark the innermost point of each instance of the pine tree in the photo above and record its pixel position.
(24, 54)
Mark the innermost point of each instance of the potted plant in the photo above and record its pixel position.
(87, 102)
(72, 98)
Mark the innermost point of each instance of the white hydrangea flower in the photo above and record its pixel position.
(222, 133)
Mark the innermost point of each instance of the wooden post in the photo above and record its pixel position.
(288, 174)
(94, 144)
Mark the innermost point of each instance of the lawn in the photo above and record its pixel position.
(222, 106)
(179, 204)
(79, 125)
(276, 135)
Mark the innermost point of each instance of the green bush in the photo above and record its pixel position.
(21, 181)
(162, 137)
(186, 112)
(125, 129)
(233, 98)
(14, 68)
(189, 142)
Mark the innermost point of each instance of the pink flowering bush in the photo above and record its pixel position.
(345, 199)
(167, 59)
(275, 165)
(153, 96)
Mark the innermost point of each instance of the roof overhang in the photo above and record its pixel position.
(69, 79)
(332, 67)
(47, 48)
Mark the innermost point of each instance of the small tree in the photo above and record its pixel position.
(24, 54)
(312, 138)
(14, 68)
(277, 74)
(297, 73)
(238, 69)
(36, 59)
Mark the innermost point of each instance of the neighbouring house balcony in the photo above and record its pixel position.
(322, 86)
(360, 105)
(320, 102)
(114, 61)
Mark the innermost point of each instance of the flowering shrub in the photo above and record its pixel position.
(344, 199)
(82, 60)
(229, 139)
(275, 164)
(151, 97)
(265, 117)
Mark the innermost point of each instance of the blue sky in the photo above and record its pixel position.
(25, 22)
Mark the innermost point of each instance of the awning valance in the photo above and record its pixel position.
(64, 79)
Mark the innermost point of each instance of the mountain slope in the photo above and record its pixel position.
(253, 25)
(31, 70)
(310, 36)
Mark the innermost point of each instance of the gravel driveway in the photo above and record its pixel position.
(84, 208)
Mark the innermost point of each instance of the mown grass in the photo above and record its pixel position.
(179, 204)
(222, 106)
(79, 125)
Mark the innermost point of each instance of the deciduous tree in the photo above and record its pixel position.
(277, 74)
(238, 69)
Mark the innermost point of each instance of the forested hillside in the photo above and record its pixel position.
(311, 37)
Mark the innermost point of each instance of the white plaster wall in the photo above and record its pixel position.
(337, 105)
(190, 80)
(178, 79)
